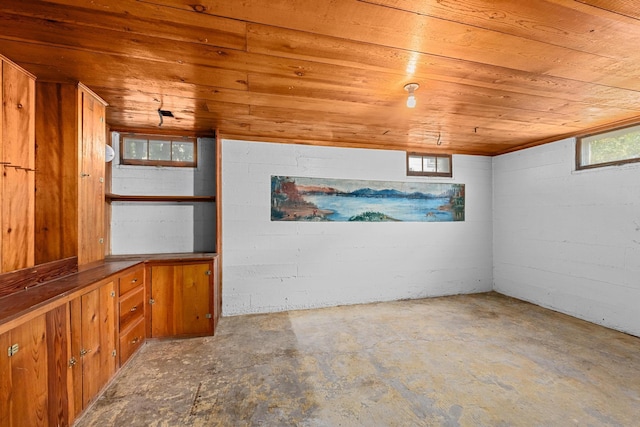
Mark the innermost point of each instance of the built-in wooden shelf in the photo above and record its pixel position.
(110, 197)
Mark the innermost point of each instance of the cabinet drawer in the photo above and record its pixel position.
(131, 308)
(131, 280)
(132, 340)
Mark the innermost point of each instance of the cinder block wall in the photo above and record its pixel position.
(274, 266)
(568, 240)
(146, 228)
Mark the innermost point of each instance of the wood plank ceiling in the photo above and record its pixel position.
(494, 75)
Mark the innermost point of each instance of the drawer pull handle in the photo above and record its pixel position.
(134, 280)
(135, 340)
(134, 308)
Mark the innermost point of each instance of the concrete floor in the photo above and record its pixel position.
(472, 360)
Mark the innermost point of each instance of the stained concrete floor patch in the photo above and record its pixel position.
(471, 360)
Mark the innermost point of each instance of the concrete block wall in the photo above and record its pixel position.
(164, 227)
(568, 240)
(275, 266)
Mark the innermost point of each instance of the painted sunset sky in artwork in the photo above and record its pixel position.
(328, 199)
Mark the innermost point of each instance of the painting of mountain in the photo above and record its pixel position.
(328, 199)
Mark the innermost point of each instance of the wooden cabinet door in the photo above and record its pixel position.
(99, 339)
(182, 300)
(91, 190)
(2, 168)
(57, 178)
(18, 158)
(91, 185)
(23, 375)
(93, 343)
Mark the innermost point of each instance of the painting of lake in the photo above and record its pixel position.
(326, 199)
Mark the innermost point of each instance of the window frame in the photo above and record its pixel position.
(170, 163)
(432, 174)
(580, 142)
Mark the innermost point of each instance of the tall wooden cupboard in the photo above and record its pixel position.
(17, 158)
(70, 141)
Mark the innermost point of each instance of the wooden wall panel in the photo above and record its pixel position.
(56, 172)
(18, 111)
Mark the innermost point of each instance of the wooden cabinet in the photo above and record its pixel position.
(23, 375)
(132, 313)
(17, 158)
(70, 137)
(58, 350)
(93, 343)
(34, 377)
(183, 299)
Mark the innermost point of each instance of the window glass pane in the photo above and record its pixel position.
(429, 164)
(613, 146)
(159, 150)
(182, 151)
(135, 149)
(444, 165)
(625, 147)
(415, 163)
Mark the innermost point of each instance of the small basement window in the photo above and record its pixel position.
(419, 164)
(613, 147)
(154, 150)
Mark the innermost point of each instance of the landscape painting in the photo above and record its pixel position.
(326, 199)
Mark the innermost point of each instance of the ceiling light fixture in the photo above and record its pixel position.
(411, 99)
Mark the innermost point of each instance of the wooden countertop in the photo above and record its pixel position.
(37, 299)
(42, 297)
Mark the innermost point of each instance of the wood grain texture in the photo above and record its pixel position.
(494, 75)
(99, 326)
(628, 8)
(5, 381)
(56, 172)
(2, 197)
(131, 308)
(18, 158)
(24, 382)
(90, 203)
(183, 297)
(131, 340)
(25, 305)
(75, 322)
(131, 281)
(20, 280)
(58, 352)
